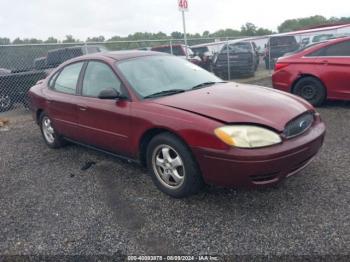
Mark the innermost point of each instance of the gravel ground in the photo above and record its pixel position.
(49, 206)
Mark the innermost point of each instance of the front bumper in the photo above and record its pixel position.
(264, 166)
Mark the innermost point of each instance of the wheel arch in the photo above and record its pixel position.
(148, 135)
(38, 114)
(303, 75)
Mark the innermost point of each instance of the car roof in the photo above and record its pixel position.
(119, 55)
(128, 54)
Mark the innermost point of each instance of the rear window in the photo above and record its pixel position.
(282, 40)
(67, 80)
(200, 50)
(238, 47)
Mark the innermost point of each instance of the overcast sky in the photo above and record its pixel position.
(84, 18)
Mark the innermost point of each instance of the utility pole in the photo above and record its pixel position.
(185, 36)
(183, 6)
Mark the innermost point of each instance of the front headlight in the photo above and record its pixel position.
(246, 136)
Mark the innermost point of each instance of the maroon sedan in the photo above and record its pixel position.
(182, 122)
(317, 72)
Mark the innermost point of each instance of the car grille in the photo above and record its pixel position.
(299, 125)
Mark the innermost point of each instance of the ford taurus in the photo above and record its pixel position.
(182, 122)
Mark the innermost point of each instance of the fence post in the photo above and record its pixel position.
(171, 46)
(85, 46)
(228, 60)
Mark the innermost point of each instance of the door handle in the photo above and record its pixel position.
(325, 62)
(82, 108)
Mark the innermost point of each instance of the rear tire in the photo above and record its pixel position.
(6, 102)
(311, 89)
(51, 138)
(172, 167)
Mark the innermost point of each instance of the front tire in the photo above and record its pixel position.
(172, 167)
(311, 89)
(51, 138)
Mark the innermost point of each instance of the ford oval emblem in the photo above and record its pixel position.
(303, 124)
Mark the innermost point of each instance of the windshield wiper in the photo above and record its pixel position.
(201, 85)
(166, 93)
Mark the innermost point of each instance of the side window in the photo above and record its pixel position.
(319, 52)
(340, 49)
(67, 80)
(98, 77)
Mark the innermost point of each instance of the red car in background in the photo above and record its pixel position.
(317, 72)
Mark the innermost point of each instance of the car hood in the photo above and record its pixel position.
(240, 103)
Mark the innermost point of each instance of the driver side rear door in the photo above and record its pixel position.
(334, 65)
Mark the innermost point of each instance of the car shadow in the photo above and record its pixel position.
(335, 103)
(129, 186)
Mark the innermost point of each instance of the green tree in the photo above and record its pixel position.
(295, 24)
(33, 41)
(17, 41)
(263, 31)
(51, 40)
(249, 29)
(4, 41)
(226, 33)
(177, 35)
(161, 35)
(69, 39)
(206, 33)
(100, 38)
(344, 20)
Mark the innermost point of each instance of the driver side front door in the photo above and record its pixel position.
(104, 123)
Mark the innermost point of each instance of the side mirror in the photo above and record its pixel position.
(110, 94)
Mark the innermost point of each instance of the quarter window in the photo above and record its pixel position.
(67, 80)
(340, 49)
(52, 80)
(98, 77)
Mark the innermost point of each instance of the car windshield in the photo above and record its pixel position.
(160, 74)
(200, 50)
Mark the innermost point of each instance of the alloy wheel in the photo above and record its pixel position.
(5, 102)
(308, 92)
(48, 130)
(168, 166)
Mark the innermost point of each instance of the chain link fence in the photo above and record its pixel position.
(22, 66)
